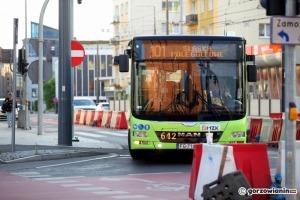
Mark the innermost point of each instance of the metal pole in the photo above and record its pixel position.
(66, 74)
(40, 78)
(154, 23)
(24, 99)
(167, 17)
(97, 74)
(290, 125)
(15, 42)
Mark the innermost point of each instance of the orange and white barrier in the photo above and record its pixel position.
(121, 122)
(82, 117)
(99, 116)
(76, 116)
(113, 120)
(251, 159)
(90, 117)
(105, 119)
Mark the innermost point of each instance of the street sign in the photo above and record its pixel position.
(285, 30)
(77, 53)
(33, 71)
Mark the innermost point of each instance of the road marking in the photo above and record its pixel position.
(92, 188)
(21, 173)
(80, 161)
(111, 192)
(57, 178)
(63, 181)
(155, 173)
(76, 185)
(130, 197)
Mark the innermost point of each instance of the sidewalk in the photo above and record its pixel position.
(31, 147)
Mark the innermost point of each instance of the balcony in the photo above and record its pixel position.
(191, 19)
(116, 19)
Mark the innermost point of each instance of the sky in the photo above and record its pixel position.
(92, 19)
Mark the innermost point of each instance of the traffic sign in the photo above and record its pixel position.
(77, 53)
(285, 30)
(33, 71)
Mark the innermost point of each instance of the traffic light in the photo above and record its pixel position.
(79, 1)
(277, 7)
(22, 64)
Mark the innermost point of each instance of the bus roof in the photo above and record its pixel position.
(189, 37)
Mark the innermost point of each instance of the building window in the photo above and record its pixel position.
(202, 8)
(173, 6)
(193, 8)
(210, 5)
(163, 27)
(194, 32)
(202, 31)
(34, 93)
(210, 30)
(264, 30)
(175, 28)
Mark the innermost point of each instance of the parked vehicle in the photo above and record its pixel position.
(103, 106)
(84, 103)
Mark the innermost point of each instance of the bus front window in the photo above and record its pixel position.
(188, 91)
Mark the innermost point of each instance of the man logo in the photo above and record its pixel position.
(205, 127)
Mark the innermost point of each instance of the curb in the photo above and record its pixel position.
(52, 157)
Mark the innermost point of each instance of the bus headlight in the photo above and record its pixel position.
(140, 134)
(237, 134)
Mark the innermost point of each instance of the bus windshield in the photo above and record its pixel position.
(188, 80)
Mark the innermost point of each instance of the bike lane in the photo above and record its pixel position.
(155, 186)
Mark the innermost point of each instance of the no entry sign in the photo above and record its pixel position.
(77, 53)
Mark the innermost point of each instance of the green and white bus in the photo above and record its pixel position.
(183, 87)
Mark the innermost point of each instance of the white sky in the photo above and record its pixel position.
(91, 18)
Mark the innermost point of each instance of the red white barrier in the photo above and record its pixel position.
(90, 117)
(113, 120)
(82, 117)
(121, 122)
(76, 116)
(251, 159)
(210, 165)
(105, 119)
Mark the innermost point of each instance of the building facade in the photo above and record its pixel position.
(213, 17)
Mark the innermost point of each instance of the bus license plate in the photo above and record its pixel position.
(185, 146)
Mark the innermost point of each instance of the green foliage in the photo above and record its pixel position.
(49, 93)
(35, 105)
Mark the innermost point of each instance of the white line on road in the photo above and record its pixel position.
(76, 185)
(92, 188)
(130, 197)
(80, 161)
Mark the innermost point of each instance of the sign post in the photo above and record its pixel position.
(77, 53)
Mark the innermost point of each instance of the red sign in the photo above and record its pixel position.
(77, 53)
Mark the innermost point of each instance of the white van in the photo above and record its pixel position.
(103, 106)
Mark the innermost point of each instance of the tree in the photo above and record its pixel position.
(49, 93)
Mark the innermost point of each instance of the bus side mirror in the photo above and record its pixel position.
(123, 63)
(116, 60)
(251, 73)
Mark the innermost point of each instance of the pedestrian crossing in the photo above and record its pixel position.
(83, 184)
